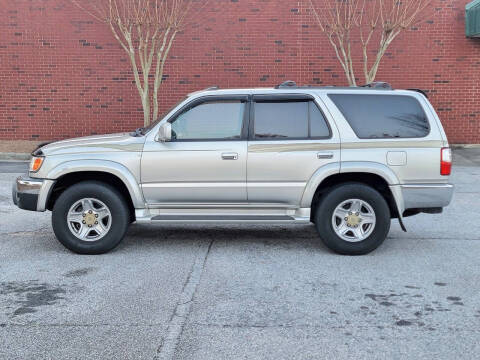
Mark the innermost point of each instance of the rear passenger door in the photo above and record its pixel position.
(289, 140)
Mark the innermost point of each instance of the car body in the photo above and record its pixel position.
(259, 155)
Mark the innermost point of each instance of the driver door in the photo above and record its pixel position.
(206, 160)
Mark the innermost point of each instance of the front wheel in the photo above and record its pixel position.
(90, 218)
(353, 219)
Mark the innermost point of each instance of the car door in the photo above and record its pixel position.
(289, 140)
(205, 162)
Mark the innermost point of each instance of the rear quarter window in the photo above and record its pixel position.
(383, 116)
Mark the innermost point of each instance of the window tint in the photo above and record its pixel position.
(318, 124)
(289, 120)
(221, 120)
(383, 116)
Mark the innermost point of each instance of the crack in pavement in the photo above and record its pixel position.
(169, 342)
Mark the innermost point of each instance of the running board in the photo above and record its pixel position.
(167, 216)
(221, 218)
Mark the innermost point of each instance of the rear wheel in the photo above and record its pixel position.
(90, 218)
(353, 219)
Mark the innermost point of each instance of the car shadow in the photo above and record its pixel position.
(283, 236)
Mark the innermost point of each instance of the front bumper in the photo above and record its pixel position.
(31, 194)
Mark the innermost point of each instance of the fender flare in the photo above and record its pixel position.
(317, 178)
(356, 167)
(386, 173)
(105, 166)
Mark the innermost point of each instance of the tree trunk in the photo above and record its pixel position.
(161, 59)
(146, 109)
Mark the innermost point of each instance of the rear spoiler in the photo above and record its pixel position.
(423, 92)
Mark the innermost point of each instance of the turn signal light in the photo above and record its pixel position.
(446, 161)
(36, 163)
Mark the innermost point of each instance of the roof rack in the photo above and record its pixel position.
(287, 84)
(212, 88)
(378, 85)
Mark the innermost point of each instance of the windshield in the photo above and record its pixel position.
(160, 118)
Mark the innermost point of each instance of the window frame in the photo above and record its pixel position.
(215, 98)
(286, 98)
(384, 138)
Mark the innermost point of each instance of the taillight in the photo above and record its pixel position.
(446, 161)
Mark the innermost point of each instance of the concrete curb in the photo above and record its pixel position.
(14, 156)
(465, 146)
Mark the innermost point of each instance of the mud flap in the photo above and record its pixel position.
(402, 225)
(398, 197)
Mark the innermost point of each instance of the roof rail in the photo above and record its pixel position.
(378, 85)
(286, 84)
(423, 92)
(212, 88)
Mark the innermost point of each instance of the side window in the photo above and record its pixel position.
(289, 120)
(383, 116)
(318, 124)
(211, 120)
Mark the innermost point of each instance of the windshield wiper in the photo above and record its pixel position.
(138, 132)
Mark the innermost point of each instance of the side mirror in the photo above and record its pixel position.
(164, 132)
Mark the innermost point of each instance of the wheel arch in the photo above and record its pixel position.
(373, 174)
(110, 172)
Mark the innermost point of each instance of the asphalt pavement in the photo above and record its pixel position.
(244, 291)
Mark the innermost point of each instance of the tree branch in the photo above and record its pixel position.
(137, 26)
(343, 21)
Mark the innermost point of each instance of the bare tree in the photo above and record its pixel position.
(146, 30)
(346, 22)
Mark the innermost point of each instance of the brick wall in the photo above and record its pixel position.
(62, 74)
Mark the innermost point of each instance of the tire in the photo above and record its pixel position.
(110, 215)
(353, 235)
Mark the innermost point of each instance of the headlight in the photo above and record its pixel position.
(36, 163)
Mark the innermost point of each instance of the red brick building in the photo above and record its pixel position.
(62, 73)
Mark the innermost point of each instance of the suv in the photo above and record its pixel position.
(346, 159)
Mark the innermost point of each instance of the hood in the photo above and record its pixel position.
(98, 143)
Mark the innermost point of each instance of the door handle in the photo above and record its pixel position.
(325, 155)
(230, 156)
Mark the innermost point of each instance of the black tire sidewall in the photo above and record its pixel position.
(106, 194)
(328, 204)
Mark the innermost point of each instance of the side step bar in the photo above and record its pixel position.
(222, 218)
(223, 215)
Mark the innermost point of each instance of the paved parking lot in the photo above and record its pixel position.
(244, 292)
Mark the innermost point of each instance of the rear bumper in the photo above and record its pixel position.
(31, 194)
(424, 196)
